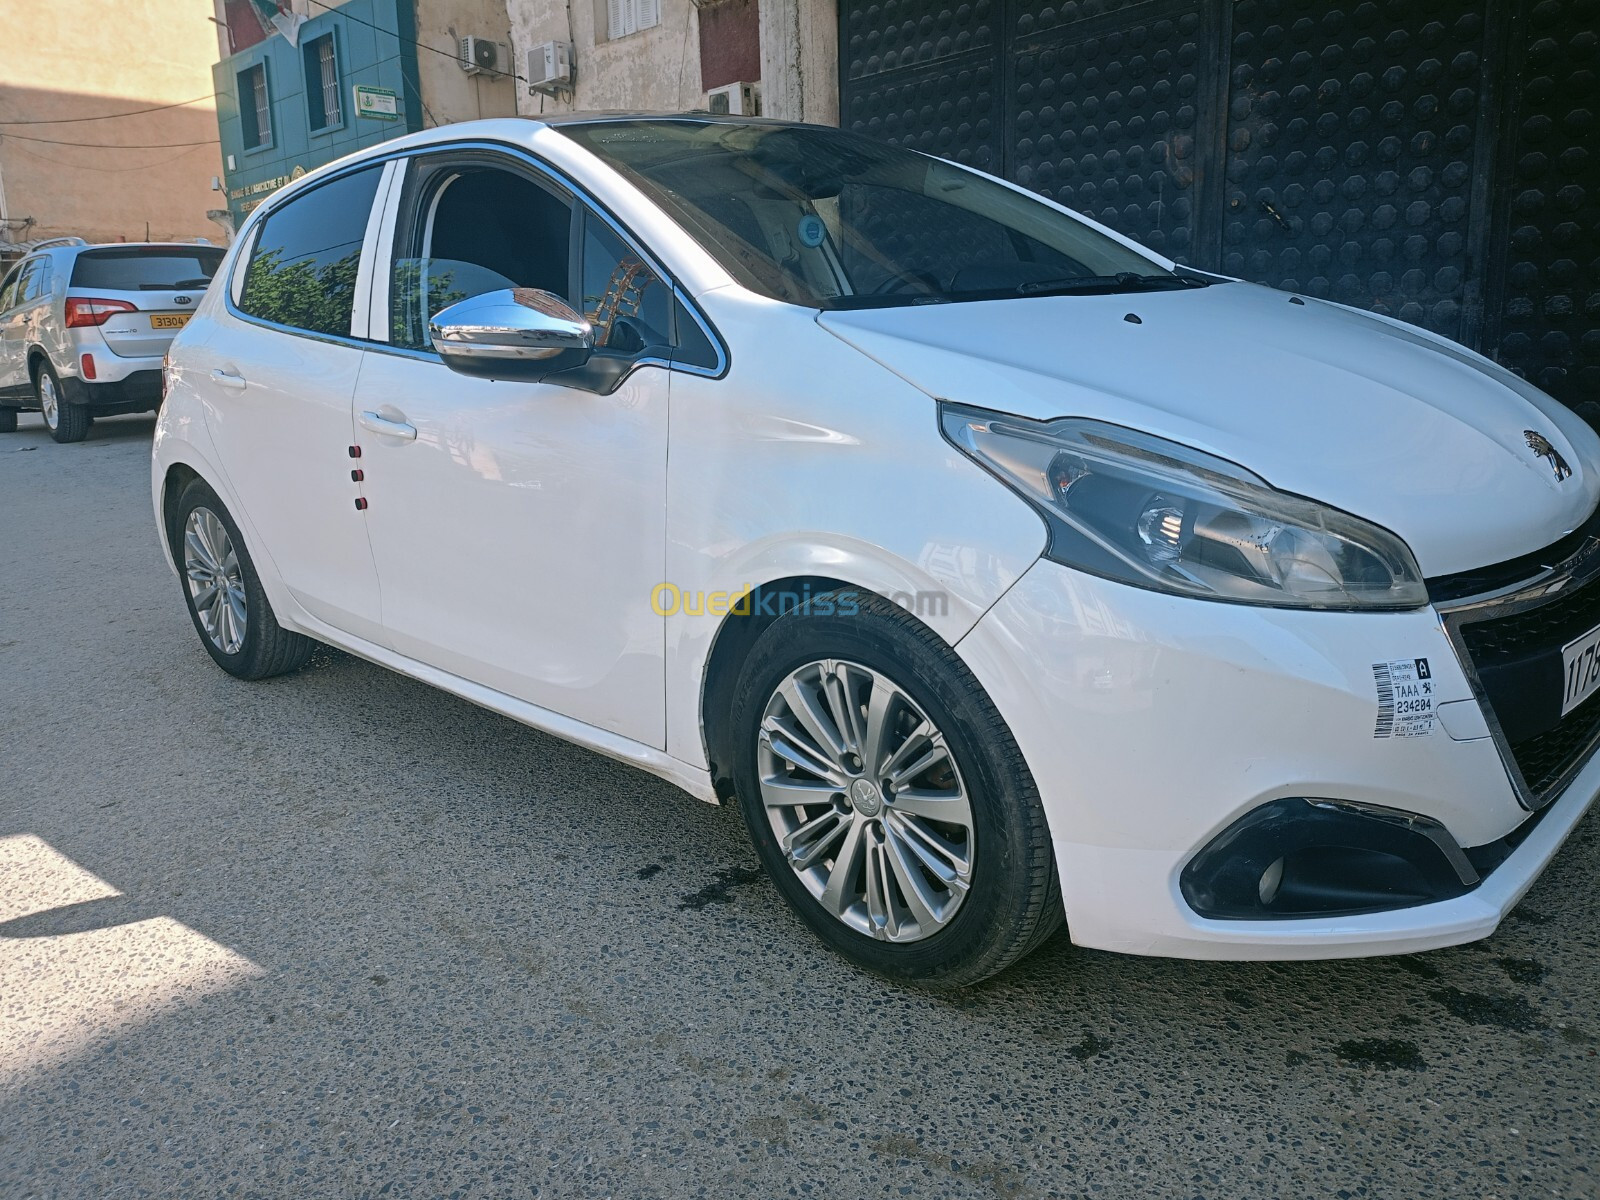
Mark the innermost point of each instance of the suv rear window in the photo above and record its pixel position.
(135, 270)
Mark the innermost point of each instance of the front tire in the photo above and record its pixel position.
(226, 602)
(66, 422)
(886, 797)
(8, 420)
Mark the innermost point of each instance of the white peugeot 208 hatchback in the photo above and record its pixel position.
(1003, 571)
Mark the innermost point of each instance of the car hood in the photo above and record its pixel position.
(1366, 414)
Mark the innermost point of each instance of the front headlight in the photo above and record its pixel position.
(1156, 514)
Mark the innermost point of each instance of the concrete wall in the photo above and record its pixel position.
(87, 58)
(800, 60)
(655, 69)
(449, 92)
(659, 69)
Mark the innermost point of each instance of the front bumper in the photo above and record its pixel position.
(1152, 723)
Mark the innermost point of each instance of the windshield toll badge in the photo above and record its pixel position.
(1541, 447)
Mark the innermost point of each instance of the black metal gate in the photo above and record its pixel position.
(1436, 160)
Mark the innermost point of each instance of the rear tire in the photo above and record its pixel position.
(226, 602)
(66, 422)
(8, 420)
(950, 876)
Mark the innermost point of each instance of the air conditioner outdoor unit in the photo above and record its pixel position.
(480, 56)
(550, 67)
(737, 100)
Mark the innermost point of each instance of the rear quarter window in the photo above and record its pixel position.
(146, 270)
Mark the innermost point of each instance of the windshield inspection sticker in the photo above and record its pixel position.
(811, 230)
(1405, 698)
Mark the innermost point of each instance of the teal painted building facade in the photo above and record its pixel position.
(284, 109)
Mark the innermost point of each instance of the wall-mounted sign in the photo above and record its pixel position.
(378, 103)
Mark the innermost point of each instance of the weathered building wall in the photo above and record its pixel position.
(450, 93)
(653, 69)
(105, 180)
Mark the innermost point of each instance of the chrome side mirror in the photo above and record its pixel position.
(515, 333)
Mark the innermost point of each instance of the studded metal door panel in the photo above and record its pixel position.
(1351, 143)
(1436, 160)
(1107, 124)
(1546, 239)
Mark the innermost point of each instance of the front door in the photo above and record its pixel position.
(519, 532)
(277, 376)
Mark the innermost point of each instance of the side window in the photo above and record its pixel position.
(31, 286)
(8, 289)
(302, 269)
(467, 229)
(626, 302)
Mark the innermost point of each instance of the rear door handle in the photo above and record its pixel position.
(383, 425)
(228, 379)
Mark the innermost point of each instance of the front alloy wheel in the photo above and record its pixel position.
(216, 581)
(886, 796)
(866, 801)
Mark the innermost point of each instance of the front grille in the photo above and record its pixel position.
(1548, 627)
(1546, 758)
(1518, 661)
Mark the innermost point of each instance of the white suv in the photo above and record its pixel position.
(999, 569)
(83, 329)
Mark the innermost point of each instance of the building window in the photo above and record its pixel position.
(630, 16)
(255, 108)
(322, 83)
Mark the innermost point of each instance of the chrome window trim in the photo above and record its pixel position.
(522, 155)
(1578, 570)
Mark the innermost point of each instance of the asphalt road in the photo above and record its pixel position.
(338, 934)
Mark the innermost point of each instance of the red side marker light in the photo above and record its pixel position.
(86, 366)
(361, 503)
(355, 451)
(358, 476)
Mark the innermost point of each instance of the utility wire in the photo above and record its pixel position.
(134, 112)
(22, 137)
(451, 55)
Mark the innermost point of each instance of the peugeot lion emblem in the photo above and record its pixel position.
(1541, 446)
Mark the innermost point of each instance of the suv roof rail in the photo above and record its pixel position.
(44, 243)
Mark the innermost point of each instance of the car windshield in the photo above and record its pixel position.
(135, 269)
(833, 220)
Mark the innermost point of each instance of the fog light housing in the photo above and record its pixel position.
(1324, 858)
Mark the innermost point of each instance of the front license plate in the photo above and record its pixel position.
(169, 320)
(1582, 661)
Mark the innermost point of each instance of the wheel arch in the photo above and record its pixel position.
(38, 354)
(731, 644)
(179, 475)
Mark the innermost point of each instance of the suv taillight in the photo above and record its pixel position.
(84, 310)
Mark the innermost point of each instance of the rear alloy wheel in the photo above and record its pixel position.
(226, 601)
(887, 798)
(66, 422)
(216, 580)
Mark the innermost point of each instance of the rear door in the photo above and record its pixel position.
(10, 363)
(276, 367)
(162, 283)
(20, 294)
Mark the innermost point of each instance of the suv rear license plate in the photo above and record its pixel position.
(1582, 662)
(169, 320)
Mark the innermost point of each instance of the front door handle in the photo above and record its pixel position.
(228, 379)
(383, 425)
